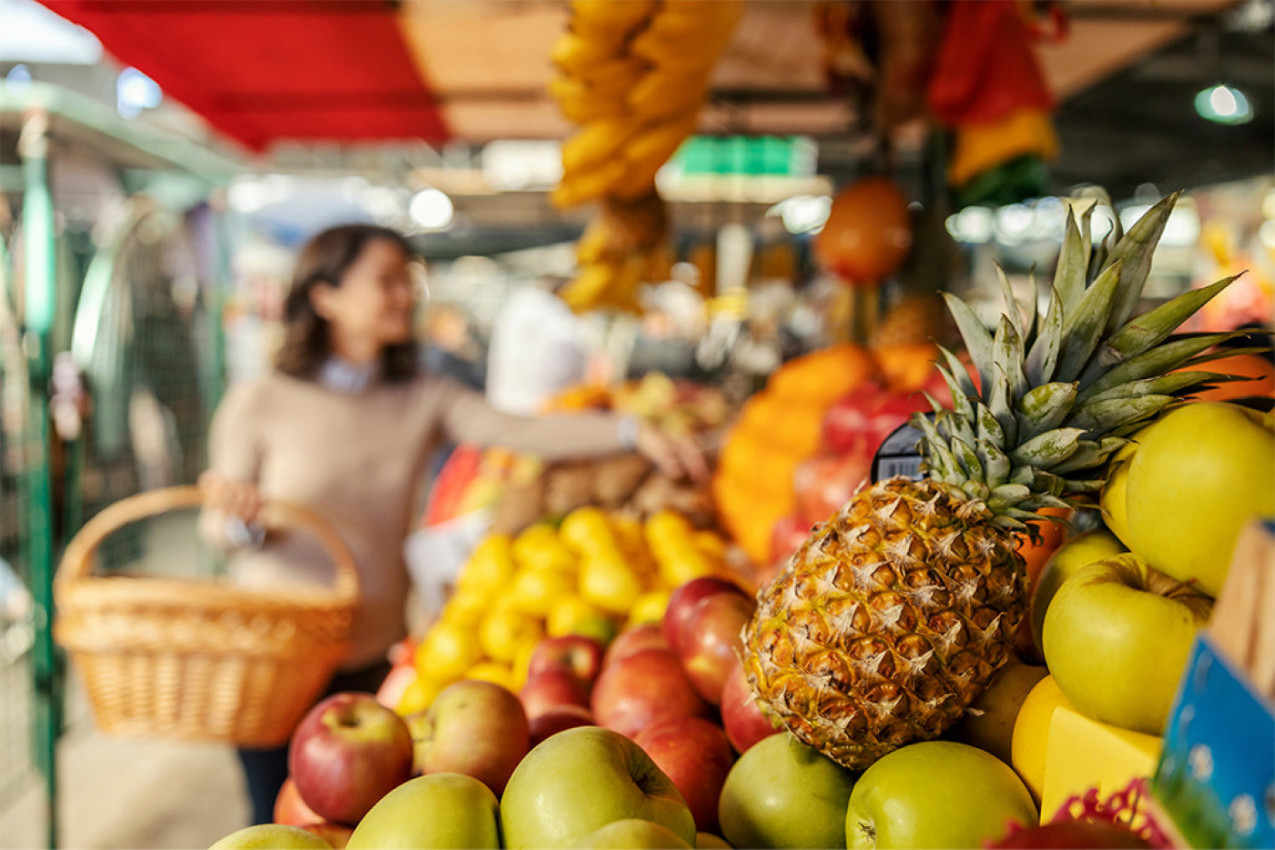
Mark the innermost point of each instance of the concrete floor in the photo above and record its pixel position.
(117, 793)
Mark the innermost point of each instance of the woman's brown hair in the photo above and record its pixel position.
(325, 259)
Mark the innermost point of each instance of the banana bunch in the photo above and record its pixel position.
(622, 248)
(633, 75)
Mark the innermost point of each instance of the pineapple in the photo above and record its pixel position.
(896, 613)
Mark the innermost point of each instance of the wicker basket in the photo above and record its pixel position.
(200, 660)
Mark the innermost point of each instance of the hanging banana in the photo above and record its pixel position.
(633, 76)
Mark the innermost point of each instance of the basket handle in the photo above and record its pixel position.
(77, 561)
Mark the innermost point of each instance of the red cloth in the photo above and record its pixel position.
(986, 69)
(264, 70)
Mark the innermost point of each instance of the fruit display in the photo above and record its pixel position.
(519, 489)
(783, 426)
(633, 75)
(589, 576)
(896, 613)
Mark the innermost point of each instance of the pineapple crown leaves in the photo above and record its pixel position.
(1060, 391)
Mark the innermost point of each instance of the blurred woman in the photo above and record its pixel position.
(345, 425)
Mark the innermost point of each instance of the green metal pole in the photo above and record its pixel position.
(40, 265)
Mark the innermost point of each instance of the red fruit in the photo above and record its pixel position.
(290, 809)
(695, 754)
(475, 728)
(348, 752)
(1073, 834)
(553, 688)
(558, 719)
(643, 689)
(786, 537)
(744, 722)
(861, 420)
(634, 640)
(824, 484)
(682, 603)
(868, 232)
(711, 643)
(575, 653)
(390, 694)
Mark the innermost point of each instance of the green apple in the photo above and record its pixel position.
(989, 722)
(267, 836)
(1079, 551)
(632, 834)
(708, 841)
(1200, 474)
(582, 779)
(1117, 637)
(782, 793)
(431, 812)
(936, 794)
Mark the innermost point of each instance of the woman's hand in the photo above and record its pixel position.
(675, 456)
(232, 498)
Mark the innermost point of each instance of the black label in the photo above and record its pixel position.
(900, 454)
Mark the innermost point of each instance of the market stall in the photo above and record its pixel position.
(983, 551)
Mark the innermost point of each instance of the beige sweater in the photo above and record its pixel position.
(359, 459)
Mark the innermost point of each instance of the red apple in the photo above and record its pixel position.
(861, 420)
(681, 605)
(824, 484)
(695, 754)
(575, 653)
(642, 689)
(557, 719)
(290, 809)
(634, 640)
(785, 538)
(336, 834)
(348, 752)
(711, 643)
(472, 727)
(550, 689)
(402, 674)
(744, 722)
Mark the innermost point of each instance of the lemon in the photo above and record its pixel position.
(466, 608)
(538, 547)
(490, 565)
(418, 695)
(448, 650)
(603, 629)
(682, 562)
(522, 663)
(535, 591)
(610, 584)
(712, 545)
(666, 527)
(502, 633)
(567, 613)
(586, 531)
(649, 607)
(494, 672)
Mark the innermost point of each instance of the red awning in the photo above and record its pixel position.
(264, 70)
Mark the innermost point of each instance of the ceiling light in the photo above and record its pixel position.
(431, 209)
(1223, 104)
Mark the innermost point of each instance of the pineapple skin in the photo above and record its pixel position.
(888, 622)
